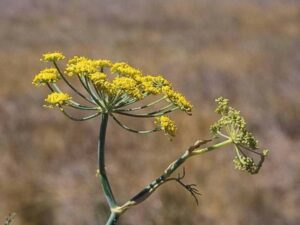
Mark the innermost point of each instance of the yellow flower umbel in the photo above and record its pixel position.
(126, 86)
(152, 85)
(49, 75)
(57, 99)
(112, 88)
(81, 66)
(52, 57)
(103, 63)
(166, 125)
(124, 69)
(178, 99)
(98, 78)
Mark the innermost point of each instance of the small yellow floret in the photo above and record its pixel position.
(124, 69)
(109, 88)
(166, 125)
(126, 85)
(57, 99)
(103, 63)
(153, 84)
(49, 75)
(81, 66)
(52, 56)
(98, 78)
(177, 99)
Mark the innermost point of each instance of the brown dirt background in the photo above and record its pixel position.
(247, 51)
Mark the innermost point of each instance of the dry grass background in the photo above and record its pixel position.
(247, 51)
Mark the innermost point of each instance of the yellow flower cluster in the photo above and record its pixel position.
(126, 81)
(103, 63)
(98, 78)
(166, 125)
(52, 56)
(153, 84)
(177, 99)
(48, 75)
(83, 66)
(124, 69)
(57, 99)
(126, 85)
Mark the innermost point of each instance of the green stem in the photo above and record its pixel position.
(147, 115)
(210, 148)
(133, 130)
(113, 219)
(91, 92)
(144, 106)
(101, 161)
(79, 119)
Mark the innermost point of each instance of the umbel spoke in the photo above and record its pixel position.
(70, 85)
(132, 130)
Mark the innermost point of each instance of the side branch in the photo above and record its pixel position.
(150, 189)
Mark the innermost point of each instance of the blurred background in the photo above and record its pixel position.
(247, 51)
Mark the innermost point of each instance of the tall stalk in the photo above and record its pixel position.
(102, 172)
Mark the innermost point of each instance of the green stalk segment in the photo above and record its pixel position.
(101, 161)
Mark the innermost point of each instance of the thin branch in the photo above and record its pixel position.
(70, 85)
(123, 103)
(78, 119)
(133, 130)
(249, 149)
(89, 90)
(189, 187)
(223, 135)
(144, 106)
(147, 115)
(72, 102)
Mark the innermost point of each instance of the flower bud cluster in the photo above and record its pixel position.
(233, 126)
(245, 163)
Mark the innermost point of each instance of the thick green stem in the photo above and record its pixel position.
(101, 161)
(113, 219)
